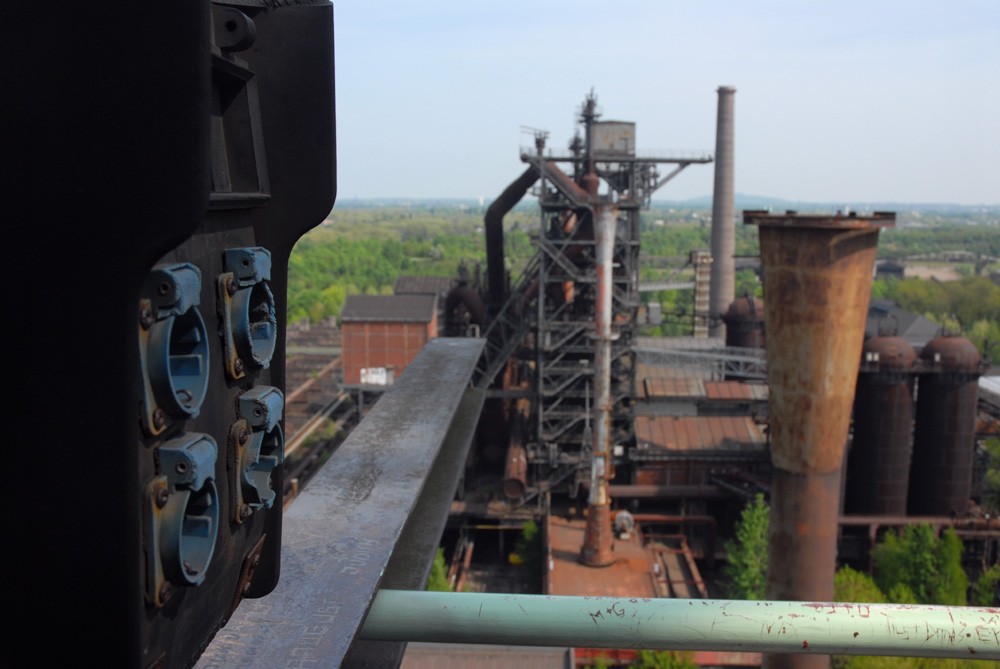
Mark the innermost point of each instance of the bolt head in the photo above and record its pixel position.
(244, 512)
(238, 366)
(231, 285)
(243, 436)
(161, 497)
(165, 590)
(159, 418)
(145, 318)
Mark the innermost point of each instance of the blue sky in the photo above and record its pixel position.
(836, 101)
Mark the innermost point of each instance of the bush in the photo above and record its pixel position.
(529, 544)
(664, 659)
(984, 592)
(438, 580)
(915, 564)
(746, 561)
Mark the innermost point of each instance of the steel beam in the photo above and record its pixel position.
(341, 532)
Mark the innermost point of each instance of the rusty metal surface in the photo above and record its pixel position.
(483, 656)
(599, 540)
(640, 491)
(792, 219)
(745, 322)
(735, 390)
(699, 433)
(515, 477)
(817, 274)
(943, 444)
(802, 548)
(654, 387)
(630, 573)
(341, 531)
(878, 463)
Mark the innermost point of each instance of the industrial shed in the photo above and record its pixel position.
(383, 333)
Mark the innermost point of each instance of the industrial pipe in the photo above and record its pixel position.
(685, 624)
(598, 542)
(653, 491)
(464, 294)
(493, 226)
(817, 273)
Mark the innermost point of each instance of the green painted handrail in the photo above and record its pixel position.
(685, 624)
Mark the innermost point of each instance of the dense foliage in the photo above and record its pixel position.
(438, 579)
(746, 561)
(916, 566)
(664, 659)
(529, 545)
(910, 241)
(991, 483)
(969, 306)
(362, 249)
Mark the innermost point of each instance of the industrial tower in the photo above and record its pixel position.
(560, 337)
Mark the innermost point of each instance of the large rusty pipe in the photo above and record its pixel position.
(817, 273)
(598, 538)
(723, 287)
(653, 491)
(515, 474)
(493, 225)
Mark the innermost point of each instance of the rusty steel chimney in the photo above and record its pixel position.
(817, 273)
(723, 216)
(598, 541)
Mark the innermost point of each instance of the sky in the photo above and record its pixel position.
(837, 101)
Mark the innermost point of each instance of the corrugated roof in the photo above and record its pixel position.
(699, 433)
(735, 390)
(422, 285)
(455, 656)
(673, 387)
(409, 308)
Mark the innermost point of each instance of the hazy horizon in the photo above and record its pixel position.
(836, 102)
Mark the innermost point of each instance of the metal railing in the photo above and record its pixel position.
(815, 628)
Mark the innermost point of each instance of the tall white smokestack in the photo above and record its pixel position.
(723, 216)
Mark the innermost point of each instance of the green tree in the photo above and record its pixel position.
(984, 591)
(991, 483)
(664, 659)
(746, 561)
(927, 566)
(438, 579)
(854, 586)
(529, 544)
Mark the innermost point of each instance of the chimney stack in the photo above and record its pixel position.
(723, 290)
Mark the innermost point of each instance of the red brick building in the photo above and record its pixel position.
(381, 334)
